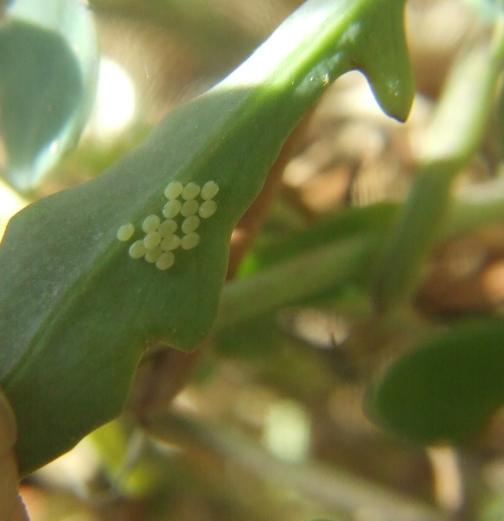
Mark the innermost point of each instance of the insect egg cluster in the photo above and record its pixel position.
(182, 213)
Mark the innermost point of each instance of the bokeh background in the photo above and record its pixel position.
(270, 425)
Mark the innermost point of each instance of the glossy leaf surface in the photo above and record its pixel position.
(48, 61)
(68, 351)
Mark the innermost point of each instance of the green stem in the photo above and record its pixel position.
(342, 261)
(303, 276)
(452, 139)
(336, 489)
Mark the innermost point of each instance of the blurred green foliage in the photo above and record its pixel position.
(326, 307)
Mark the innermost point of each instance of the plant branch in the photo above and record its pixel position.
(337, 262)
(303, 276)
(452, 139)
(339, 490)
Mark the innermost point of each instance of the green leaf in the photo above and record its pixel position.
(77, 311)
(447, 389)
(48, 62)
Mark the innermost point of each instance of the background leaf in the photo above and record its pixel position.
(48, 61)
(447, 389)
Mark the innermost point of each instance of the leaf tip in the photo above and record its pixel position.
(395, 95)
(382, 55)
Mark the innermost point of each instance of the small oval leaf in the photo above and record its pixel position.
(446, 390)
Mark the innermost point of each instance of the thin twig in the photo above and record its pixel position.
(337, 489)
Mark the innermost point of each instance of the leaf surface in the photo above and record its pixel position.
(447, 389)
